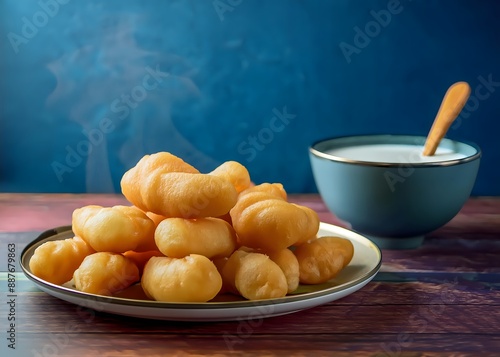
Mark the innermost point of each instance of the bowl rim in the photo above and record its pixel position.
(330, 157)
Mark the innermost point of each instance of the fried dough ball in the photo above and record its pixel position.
(105, 273)
(141, 258)
(235, 173)
(211, 237)
(56, 261)
(274, 189)
(286, 260)
(322, 259)
(177, 189)
(190, 279)
(192, 195)
(228, 270)
(254, 276)
(311, 233)
(114, 229)
(258, 277)
(262, 220)
(149, 165)
(289, 264)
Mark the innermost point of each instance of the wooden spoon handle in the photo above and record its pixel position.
(454, 100)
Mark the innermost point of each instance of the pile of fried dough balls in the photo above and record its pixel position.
(189, 236)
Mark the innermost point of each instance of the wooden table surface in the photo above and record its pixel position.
(442, 299)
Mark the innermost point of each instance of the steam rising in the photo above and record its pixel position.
(111, 77)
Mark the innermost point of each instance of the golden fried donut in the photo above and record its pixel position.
(211, 237)
(114, 229)
(258, 277)
(310, 231)
(105, 273)
(322, 259)
(285, 259)
(235, 173)
(228, 269)
(190, 279)
(289, 264)
(177, 189)
(273, 189)
(161, 162)
(179, 194)
(253, 275)
(56, 261)
(264, 221)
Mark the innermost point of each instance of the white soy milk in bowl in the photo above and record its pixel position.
(384, 187)
(393, 153)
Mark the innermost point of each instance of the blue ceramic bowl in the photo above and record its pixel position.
(393, 203)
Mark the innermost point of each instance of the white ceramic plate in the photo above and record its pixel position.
(361, 270)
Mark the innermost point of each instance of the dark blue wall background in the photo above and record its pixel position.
(204, 79)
